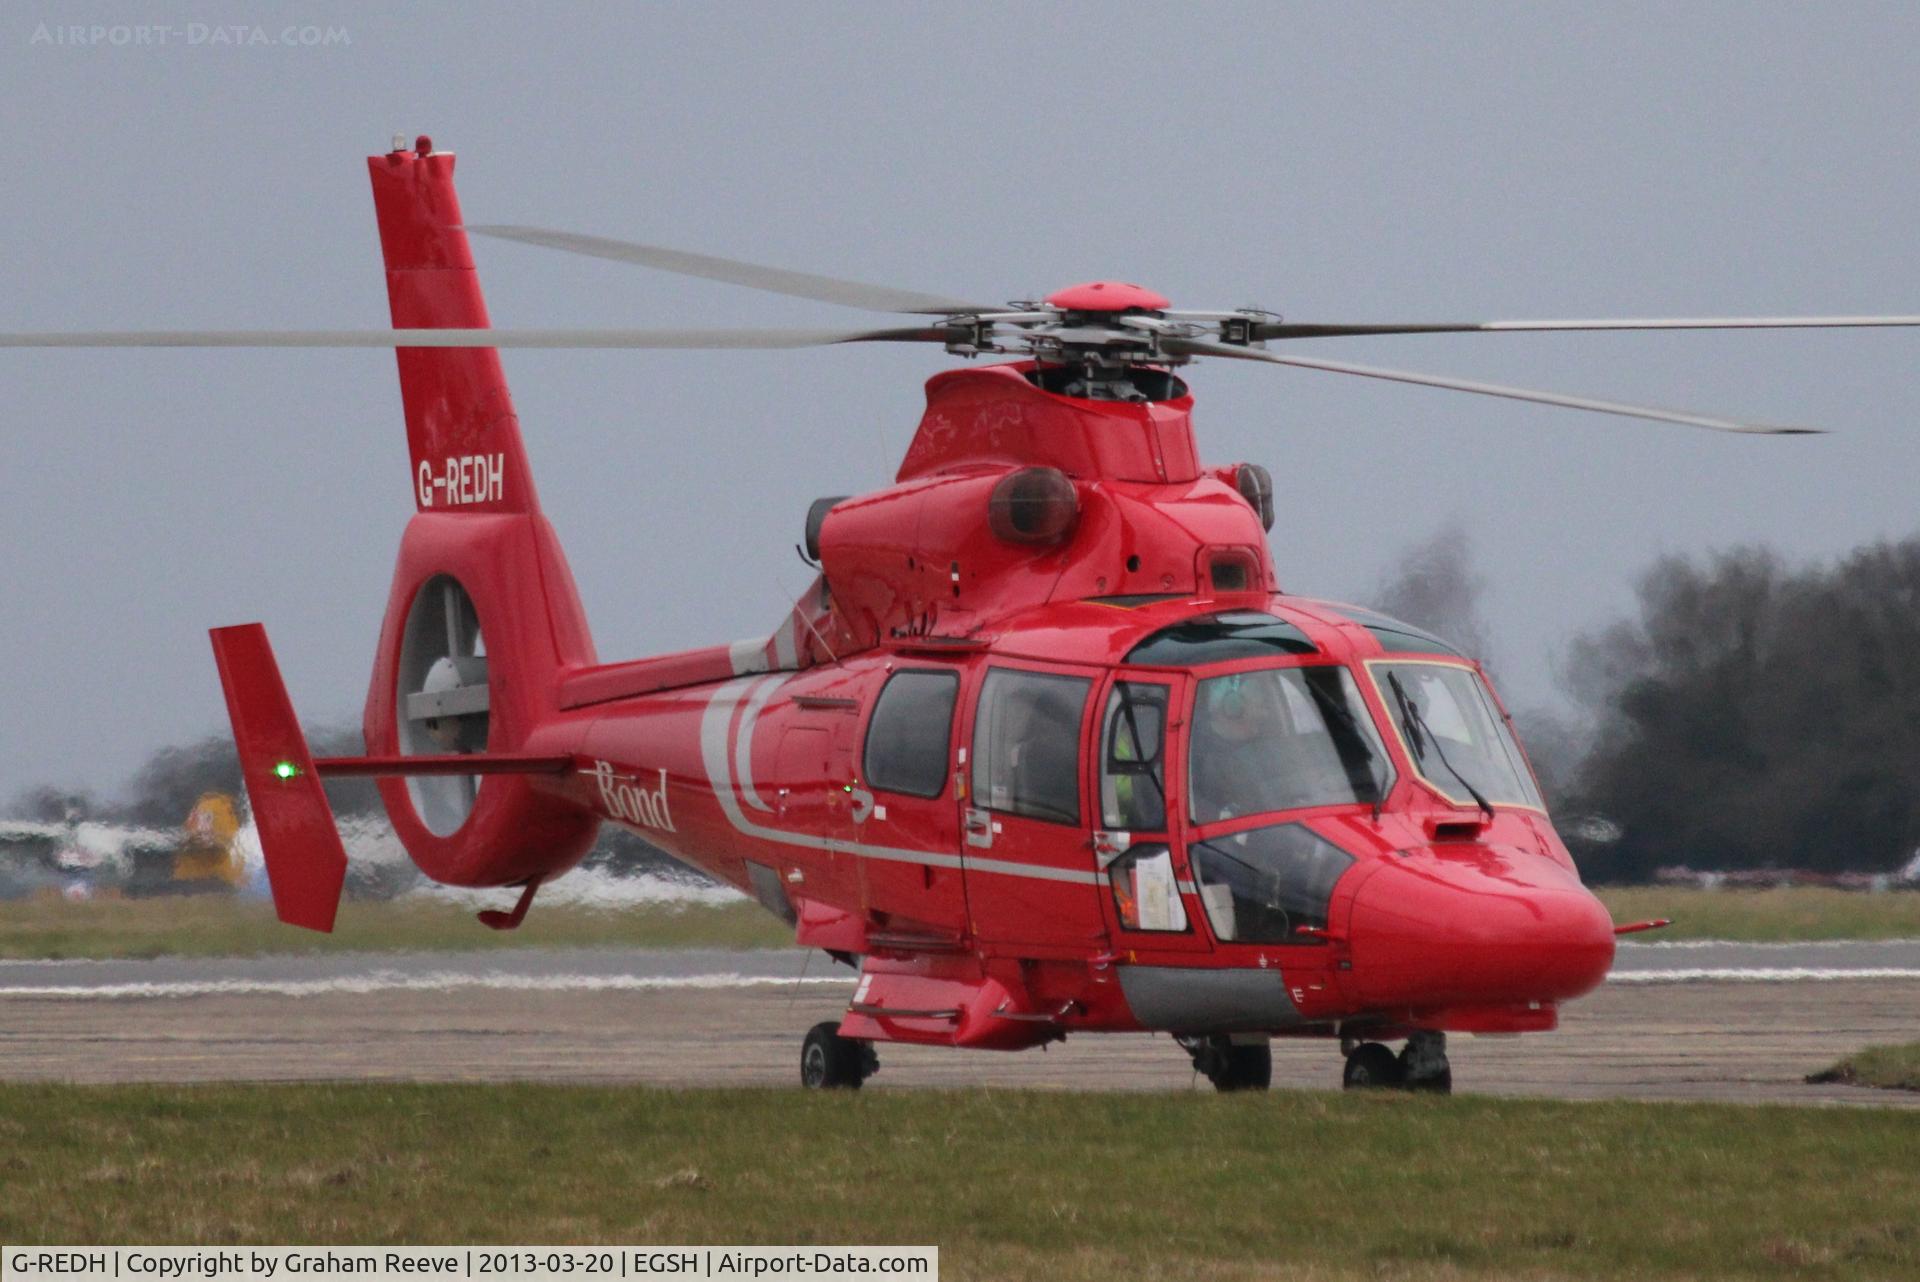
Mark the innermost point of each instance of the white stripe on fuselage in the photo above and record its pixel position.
(747, 656)
(743, 749)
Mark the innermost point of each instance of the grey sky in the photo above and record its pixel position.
(1329, 162)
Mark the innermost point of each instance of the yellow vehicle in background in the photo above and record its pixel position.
(209, 858)
(79, 858)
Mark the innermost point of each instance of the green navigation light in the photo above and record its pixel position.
(286, 770)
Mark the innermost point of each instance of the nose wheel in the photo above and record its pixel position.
(1232, 1065)
(1372, 1066)
(1421, 1066)
(831, 1062)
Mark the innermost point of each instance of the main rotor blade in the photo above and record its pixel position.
(718, 339)
(773, 280)
(1188, 347)
(1290, 329)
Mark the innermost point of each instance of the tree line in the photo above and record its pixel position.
(1754, 715)
(1748, 713)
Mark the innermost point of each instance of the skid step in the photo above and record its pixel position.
(1035, 1017)
(907, 943)
(901, 1012)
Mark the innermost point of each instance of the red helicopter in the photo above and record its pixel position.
(1043, 749)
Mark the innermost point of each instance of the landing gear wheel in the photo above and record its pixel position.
(1423, 1064)
(829, 1061)
(1230, 1065)
(1372, 1066)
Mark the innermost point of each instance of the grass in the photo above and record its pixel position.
(206, 926)
(1767, 916)
(1023, 1185)
(1897, 1068)
(212, 926)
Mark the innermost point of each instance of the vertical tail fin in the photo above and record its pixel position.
(461, 430)
(483, 617)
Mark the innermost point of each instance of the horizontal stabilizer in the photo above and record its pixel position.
(306, 864)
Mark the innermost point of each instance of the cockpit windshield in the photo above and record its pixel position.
(1282, 738)
(1458, 741)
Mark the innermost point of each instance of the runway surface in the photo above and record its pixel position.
(1736, 1022)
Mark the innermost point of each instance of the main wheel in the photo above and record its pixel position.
(1372, 1066)
(1424, 1066)
(829, 1061)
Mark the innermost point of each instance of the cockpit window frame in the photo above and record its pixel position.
(1383, 691)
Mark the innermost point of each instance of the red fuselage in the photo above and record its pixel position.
(1044, 748)
(1382, 897)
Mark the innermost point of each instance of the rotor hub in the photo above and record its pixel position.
(1107, 296)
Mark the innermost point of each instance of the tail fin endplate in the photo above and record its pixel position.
(306, 864)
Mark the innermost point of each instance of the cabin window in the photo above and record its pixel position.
(908, 737)
(1268, 885)
(1026, 744)
(1133, 769)
(1146, 895)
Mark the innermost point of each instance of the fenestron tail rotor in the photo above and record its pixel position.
(444, 697)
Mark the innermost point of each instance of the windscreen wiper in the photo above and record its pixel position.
(1414, 722)
(1409, 718)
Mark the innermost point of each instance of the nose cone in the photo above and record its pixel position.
(1476, 925)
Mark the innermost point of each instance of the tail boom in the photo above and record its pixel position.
(452, 763)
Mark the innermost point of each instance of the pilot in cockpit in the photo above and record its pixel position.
(1234, 734)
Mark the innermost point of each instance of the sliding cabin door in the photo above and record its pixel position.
(1026, 831)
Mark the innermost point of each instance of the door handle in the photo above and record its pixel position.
(978, 826)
